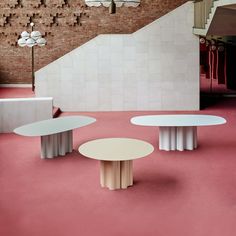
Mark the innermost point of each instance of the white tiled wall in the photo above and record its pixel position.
(15, 112)
(155, 68)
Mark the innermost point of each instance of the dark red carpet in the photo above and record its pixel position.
(190, 193)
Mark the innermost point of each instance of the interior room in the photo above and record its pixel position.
(117, 117)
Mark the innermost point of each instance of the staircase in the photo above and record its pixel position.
(204, 12)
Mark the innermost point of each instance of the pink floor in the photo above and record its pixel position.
(190, 193)
(6, 92)
(212, 86)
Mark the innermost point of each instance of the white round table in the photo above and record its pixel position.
(116, 157)
(178, 132)
(56, 134)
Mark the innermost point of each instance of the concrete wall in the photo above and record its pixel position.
(155, 68)
(15, 112)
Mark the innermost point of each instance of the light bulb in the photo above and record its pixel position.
(35, 35)
(30, 42)
(25, 35)
(41, 42)
(22, 42)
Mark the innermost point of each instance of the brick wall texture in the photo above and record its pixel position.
(65, 25)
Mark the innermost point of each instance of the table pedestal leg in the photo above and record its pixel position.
(177, 138)
(47, 146)
(167, 138)
(116, 174)
(56, 144)
(65, 143)
(186, 138)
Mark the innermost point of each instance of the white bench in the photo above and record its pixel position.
(56, 134)
(177, 132)
(15, 112)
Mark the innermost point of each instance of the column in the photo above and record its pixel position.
(47, 146)
(186, 138)
(177, 138)
(116, 174)
(56, 144)
(65, 142)
(167, 138)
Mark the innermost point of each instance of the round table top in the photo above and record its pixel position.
(178, 120)
(54, 126)
(116, 149)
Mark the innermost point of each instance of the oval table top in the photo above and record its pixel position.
(177, 120)
(54, 126)
(116, 149)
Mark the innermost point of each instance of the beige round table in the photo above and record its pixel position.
(116, 157)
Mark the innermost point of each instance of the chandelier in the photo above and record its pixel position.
(112, 4)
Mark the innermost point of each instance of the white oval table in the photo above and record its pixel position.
(56, 134)
(116, 157)
(177, 132)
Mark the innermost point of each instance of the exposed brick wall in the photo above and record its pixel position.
(66, 25)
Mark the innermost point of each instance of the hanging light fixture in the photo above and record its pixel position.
(112, 4)
(202, 40)
(221, 47)
(213, 44)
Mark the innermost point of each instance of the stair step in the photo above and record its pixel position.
(216, 3)
(56, 112)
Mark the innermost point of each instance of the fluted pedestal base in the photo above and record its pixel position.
(116, 174)
(177, 138)
(56, 144)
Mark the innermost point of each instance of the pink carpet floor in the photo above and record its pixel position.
(6, 92)
(190, 193)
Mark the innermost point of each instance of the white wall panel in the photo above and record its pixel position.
(155, 68)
